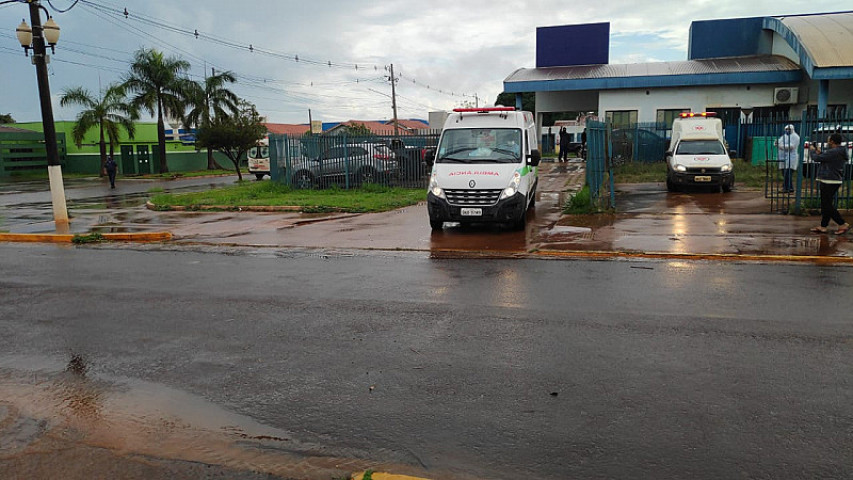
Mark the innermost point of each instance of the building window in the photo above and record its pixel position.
(778, 113)
(621, 118)
(665, 117)
(832, 111)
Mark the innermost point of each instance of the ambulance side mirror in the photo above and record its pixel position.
(732, 153)
(534, 158)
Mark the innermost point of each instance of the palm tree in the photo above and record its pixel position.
(160, 90)
(209, 101)
(109, 112)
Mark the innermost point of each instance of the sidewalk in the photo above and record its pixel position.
(650, 223)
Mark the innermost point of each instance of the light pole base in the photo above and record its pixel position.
(57, 196)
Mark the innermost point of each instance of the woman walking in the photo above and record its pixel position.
(830, 175)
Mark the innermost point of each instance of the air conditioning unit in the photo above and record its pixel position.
(786, 95)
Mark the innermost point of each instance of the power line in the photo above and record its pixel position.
(158, 23)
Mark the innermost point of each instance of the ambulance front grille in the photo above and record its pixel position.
(472, 198)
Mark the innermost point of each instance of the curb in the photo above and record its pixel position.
(385, 476)
(697, 256)
(67, 238)
(223, 208)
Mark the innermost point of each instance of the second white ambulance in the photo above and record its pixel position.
(698, 154)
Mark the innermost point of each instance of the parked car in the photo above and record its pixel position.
(410, 159)
(361, 163)
(819, 137)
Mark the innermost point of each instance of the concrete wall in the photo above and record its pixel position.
(567, 101)
(88, 164)
(697, 99)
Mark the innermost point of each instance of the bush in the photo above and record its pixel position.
(580, 202)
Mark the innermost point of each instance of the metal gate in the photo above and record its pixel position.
(599, 174)
(763, 138)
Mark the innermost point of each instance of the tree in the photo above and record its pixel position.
(210, 100)
(6, 118)
(356, 129)
(233, 135)
(160, 90)
(109, 113)
(528, 100)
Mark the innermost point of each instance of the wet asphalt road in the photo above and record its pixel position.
(25, 206)
(277, 360)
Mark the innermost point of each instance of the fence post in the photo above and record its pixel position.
(798, 194)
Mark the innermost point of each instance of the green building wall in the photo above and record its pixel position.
(135, 156)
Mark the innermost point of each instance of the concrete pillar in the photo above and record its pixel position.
(822, 98)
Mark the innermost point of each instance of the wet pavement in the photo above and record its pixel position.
(649, 220)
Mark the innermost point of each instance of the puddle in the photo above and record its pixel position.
(47, 405)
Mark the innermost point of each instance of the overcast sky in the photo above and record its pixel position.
(444, 52)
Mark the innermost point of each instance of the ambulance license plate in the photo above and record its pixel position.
(702, 178)
(472, 212)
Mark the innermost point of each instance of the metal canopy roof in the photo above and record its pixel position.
(827, 37)
(720, 71)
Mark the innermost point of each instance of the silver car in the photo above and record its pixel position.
(347, 165)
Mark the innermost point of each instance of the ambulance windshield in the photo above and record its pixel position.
(480, 145)
(700, 147)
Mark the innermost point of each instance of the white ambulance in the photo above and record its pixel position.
(697, 155)
(484, 168)
(258, 158)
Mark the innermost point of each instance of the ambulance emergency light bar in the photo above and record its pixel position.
(703, 114)
(485, 110)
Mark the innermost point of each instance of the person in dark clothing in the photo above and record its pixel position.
(564, 146)
(112, 168)
(583, 144)
(830, 174)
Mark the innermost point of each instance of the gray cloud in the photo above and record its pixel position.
(464, 47)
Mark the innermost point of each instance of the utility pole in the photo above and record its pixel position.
(394, 101)
(54, 168)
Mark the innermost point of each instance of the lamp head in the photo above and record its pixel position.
(25, 36)
(51, 31)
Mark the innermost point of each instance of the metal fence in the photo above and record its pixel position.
(346, 161)
(761, 138)
(640, 142)
(599, 174)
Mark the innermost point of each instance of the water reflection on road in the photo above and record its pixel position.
(48, 410)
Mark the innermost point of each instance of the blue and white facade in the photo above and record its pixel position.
(746, 67)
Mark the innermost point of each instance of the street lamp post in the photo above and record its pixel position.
(35, 39)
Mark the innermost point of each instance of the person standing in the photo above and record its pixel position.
(112, 168)
(789, 157)
(564, 145)
(830, 175)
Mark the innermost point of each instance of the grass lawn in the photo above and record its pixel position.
(370, 198)
(746, 174)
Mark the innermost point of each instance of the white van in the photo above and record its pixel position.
(485, 168)
(697, 155)
(259, 158)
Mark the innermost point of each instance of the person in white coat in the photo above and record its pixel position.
(789, 157)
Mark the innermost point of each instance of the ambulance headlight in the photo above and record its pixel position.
(434, 188)
(726, 168)
(680, 168)
(512, 188)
